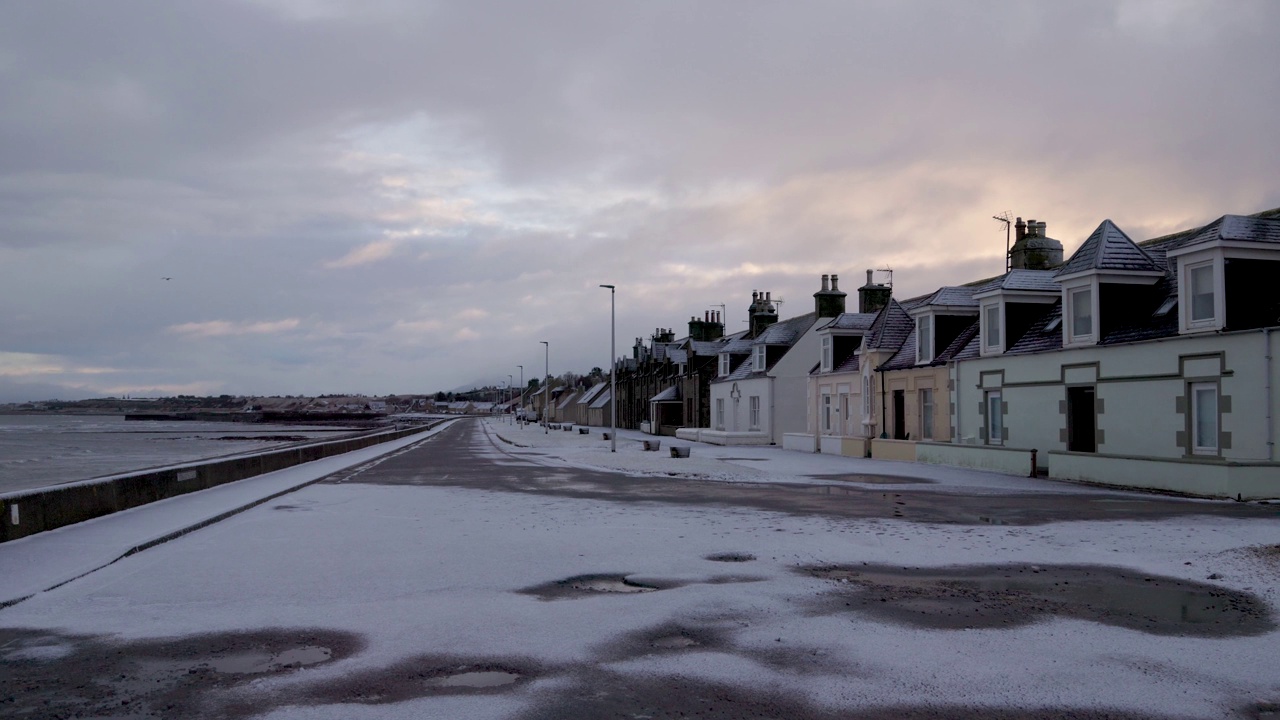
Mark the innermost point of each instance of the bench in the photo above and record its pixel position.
(584, 431)
(652, 444)
(567, 428)
(679, 451)
(605, 436)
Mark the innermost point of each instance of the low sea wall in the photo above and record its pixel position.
(28, 512)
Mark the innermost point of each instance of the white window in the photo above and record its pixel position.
(866, 397)
(926, 413)
(995, 418)
(844, 415)
(826, 414)
(991, 327)
(759, 358)
(755, 412)
(924, 339)
(1204, 418)
(1080, 311)
(826, 353)
(719, 413)
(1201, 291)
(724, 364)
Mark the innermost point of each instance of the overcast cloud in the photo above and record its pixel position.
(409, 196)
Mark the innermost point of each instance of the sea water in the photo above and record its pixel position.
(42, 450)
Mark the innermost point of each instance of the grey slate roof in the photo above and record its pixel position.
(737, 346)
(671, 394)
(851, 364)
(905, 357)
(1239, 228)
(851, 321)
(589, 395)
(950, 297)
(1109, 248)
(677, 355)
(1022, 280)
(602, 401)
(1037, 338)
(705, 347)
(890, 329)
(786, 332)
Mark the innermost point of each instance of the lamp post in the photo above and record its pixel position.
(546, 390)
(521, 411)
(510, 394)
(613, 369)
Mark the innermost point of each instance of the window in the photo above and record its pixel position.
(924, 339)
(866, 397)
(1081, 302)
(1204, 418)
(995, 418)
(724, 364)
(758, 360)
(719, 413)
(826, 414)
(826, 353)
(844, 415)
(926, 413)
(755, 412)
(991, 327)
(1201, 288)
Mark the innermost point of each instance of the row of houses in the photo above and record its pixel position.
(1146, 364)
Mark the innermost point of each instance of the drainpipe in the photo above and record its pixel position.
(953, 374)
(1271, 437)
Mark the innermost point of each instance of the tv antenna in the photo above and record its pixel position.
(1004, 218)
(888, 271)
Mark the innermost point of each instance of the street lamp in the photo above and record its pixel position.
(521, 411)
(613, 369)
(546, 391)
(510, 394)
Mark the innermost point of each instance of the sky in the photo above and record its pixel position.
(295, 197)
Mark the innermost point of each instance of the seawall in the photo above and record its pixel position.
(28, 512)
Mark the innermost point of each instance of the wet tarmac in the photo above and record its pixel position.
(463, 456)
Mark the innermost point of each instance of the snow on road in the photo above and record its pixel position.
(440, 571)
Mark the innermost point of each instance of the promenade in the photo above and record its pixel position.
(489, 570)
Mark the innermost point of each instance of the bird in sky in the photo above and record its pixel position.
(168, 278)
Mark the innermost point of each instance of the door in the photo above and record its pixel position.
(1082, 420)
(899, 414)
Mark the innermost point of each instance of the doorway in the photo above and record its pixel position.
(899, 414)
(1082, 420)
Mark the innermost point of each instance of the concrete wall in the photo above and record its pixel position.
(884, 449)
(802, 442)
(791, 385)
(1206, 478)
(1012, 461)
(54, 507)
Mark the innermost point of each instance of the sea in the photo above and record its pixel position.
(39, 451)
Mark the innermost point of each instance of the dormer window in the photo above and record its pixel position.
(1080, 316)
(758, 359)
(826, 353)
(1200, 280)
(991, 328)
(924, 339)
(724, 364)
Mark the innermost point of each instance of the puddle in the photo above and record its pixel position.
(875, 479)
(674, 642)
(250, 663)
(475, 679)
(583, 585)
(731, 557)
(1011, 595)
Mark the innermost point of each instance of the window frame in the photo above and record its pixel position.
(828, 359)
(725, 363)
(824, 411)
(1194, 391)
(994, 421)
(758, 358)
(1191, 271)
(992, 332)
(1072, 334)
(720, 413)
(924, 339)
(753, 417)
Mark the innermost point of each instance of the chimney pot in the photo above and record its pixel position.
(868, 276)
(825, 283)
(834, 280)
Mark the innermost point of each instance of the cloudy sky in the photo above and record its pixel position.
(408, 196)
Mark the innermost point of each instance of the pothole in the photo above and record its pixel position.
(731, 557)
(674, 642)
(252, 663)
(875, 479)
(1010, 595)
(475, 679)
(584, 585)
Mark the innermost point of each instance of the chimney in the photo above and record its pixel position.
(1035, 250)
(873, 295)
(763, 313)
(1019, 230)
(829, 301)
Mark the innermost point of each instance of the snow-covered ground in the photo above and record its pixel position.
(423, 570)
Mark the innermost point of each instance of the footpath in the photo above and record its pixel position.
(42, 562)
